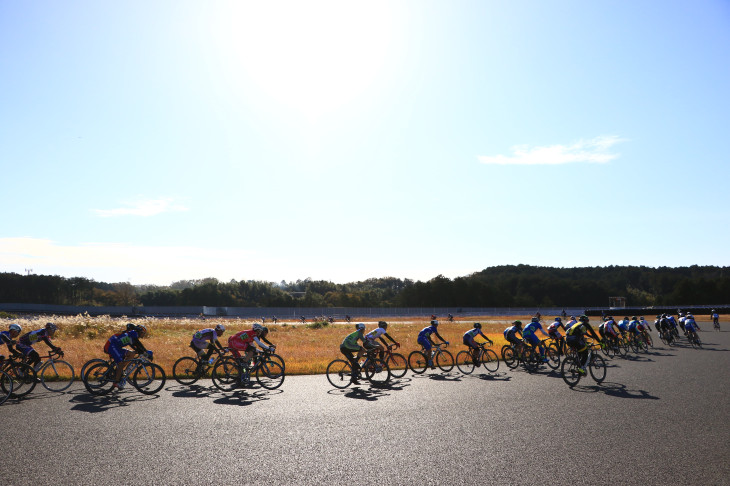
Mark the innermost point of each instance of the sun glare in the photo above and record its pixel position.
(314, 57)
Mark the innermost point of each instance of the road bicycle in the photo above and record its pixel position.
(22, 377)
(397, 363)
(418, 362)
(144, 375)
(231, 372)
(512, 354)
(373, 369)
(637, 343)
(187, 370)
(56, 375)
(466, 363)
(595, 363)
(6, 386)
(694, 339)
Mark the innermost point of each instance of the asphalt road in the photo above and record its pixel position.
(660, 418)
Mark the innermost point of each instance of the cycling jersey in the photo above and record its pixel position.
(623, 325)
(633, 326)
(531, 328)
(200, 338)
(577, 330)
(6, 339)
(609, 328)
(570, 324)
(350, 342)
(375, 334)
(114, 346)
(690, 325)
(29, 339)
(509, 334)
(426, 332)
(554, 327)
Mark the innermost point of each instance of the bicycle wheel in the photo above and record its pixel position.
(529, 358)
(6, 386)
(509, 357)
(270, 374)
(339, 373)
(24, 379)
(186, 370)
(149, 379)
(397, 364)
(569, 371)
(445, 360)
(376, 372)
(490, 360)
(465, 362)
(553, 357)
(597, 368)
(54, 373)
(649, 341)
(87, 365)
(277, 359)
(417, 362)
(226, 374)
(99, 378)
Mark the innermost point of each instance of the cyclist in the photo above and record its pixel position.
(571, 322)
(690, 326)
(553, 332)
(370, 342)
(264, 333)
(665, 328)
(115, 345)
(8, 338)
(206, 341)
(715, 318)
(623, 325)
(672, 321)
(529, 334)
(242, 341)
(644, 323)
(349, 346)
(510, 334)
(424, 339)
(469, 340)
(26, 342)
(634, 327)
(576, 340)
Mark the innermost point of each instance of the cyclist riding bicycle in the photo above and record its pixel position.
(644, 323)
(623, 325)
(715, 318)
(8, 339)
(205, 342)
(665, 328)
(244, 340)
(349, 346)
(424, 339)
(571, 322)
(26, 342)
(115, 345)
(576, 340)
(634, 329)
(529, 334)
(469, 340)
(690, 326)
(370, 342)
(510, 334)
(553, 332)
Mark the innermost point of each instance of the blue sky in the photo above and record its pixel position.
(151, 142)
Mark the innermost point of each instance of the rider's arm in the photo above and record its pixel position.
(47, 340)
(138, 346)
(485, 336)
(389, 337)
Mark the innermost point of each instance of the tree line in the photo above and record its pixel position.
(500, 286)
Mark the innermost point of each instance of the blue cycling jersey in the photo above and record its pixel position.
(531, 328)
(426, 332)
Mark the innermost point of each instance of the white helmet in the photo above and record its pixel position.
(359, 326)
(220, 328)
(258, 327)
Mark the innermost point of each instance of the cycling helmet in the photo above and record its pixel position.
(258, 327)
(360, 326)
(583, 318)
(220, 328)
(558, 319)
(477, 325)
(517, 323)
(51, 327)
(131, 327)
(16, 327)
(264, 331)
(535, 319)
(141, 330)
(434, 322)
(383, 324)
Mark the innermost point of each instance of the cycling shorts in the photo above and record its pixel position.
(576, 342)
(425, 343)
(370, 344)
(117, 353)
(532, 339)
(555, 335)
(469, 341)
(23, 348)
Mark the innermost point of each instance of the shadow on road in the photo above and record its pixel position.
(617, 390)
(497, 376)
(359, 392)
(85, 402)
(244, 398)
(191, 391)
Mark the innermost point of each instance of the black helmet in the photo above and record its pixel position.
(434, 322)
(517, 323)
(583, 318)
(558, 319)
(477, 325)
(383, 324)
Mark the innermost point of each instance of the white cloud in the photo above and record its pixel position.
(142, 207)
(594, 151)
